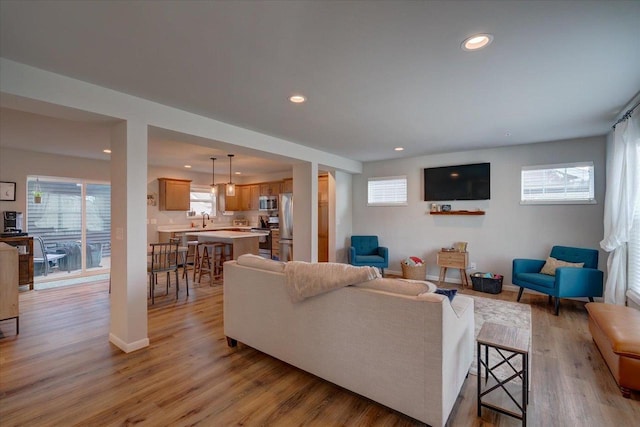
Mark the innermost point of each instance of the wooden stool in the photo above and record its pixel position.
(190, 260)
(211, 256)
(182, 262)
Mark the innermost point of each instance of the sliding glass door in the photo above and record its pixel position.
(72, 221)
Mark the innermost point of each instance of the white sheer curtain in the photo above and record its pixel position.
(622, 200)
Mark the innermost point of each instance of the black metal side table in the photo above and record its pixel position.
(504, 394)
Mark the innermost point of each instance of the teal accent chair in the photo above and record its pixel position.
(569, 282)
(365, 250)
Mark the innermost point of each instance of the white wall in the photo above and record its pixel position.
(508, 230)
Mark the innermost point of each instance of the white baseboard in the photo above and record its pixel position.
(128, 347)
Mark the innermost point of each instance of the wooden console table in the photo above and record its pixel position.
(25, 260)
(451, 259)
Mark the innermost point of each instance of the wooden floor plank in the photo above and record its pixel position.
(61, 370)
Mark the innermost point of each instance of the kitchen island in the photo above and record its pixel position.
(243, 242)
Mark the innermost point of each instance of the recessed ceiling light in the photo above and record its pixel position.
(477, 41)
(507, 133)
(399, 148)
(237, 173)
(187, 166)
(297, 99)
(106, 150)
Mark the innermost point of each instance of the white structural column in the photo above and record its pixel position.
(343, 215)
(128, 328)
(305, 212)
(332, 217)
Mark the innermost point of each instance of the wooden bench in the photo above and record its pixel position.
(616, 331)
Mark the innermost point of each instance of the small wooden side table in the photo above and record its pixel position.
(501, 394)
(451, 259)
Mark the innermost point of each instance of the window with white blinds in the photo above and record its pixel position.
(558, 184)
(202, 201)
(387, 191)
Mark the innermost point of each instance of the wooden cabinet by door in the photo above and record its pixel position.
(323, 232)
(323, 219)
(174, 194)
(323, 188)
(287, 185)
(9, 283)
(25, 259)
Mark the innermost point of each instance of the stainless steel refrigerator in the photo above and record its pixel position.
(285, 210)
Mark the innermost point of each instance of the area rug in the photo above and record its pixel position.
(505, 313)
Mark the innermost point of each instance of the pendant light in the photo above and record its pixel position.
(214, 190)
(231, 187)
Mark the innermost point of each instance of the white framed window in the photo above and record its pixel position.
(387, 191)
(202, 201)
(568, 183)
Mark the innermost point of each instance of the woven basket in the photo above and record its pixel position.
(415, 272)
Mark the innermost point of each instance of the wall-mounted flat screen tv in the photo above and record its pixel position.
(461, 182)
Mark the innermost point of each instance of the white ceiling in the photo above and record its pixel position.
(377, 74)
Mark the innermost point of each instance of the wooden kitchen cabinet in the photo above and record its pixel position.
(174, 194)
(25, 260)
(246, 198)
(232, 203)
(270, 188)
(287, 185)
(253, 203)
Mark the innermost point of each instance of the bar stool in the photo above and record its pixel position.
(181, 259)
(228, 251)
(191, 260)
(211, 256)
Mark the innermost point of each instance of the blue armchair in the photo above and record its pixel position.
(568, 282)
(364, 250)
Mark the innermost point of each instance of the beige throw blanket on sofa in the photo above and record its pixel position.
(304, 279)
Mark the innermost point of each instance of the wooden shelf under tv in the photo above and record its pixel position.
(458, 213)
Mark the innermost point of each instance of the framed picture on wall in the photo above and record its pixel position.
(7, 191)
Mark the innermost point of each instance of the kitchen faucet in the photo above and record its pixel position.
(204, 224)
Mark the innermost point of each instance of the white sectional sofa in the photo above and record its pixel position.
(410, 353)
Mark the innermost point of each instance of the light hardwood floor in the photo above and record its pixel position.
(62, 371)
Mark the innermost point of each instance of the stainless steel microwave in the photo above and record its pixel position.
(268, 203)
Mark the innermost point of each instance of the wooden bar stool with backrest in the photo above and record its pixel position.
(210, 256)
(181, 260)
(164, 259)
(191, 260)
